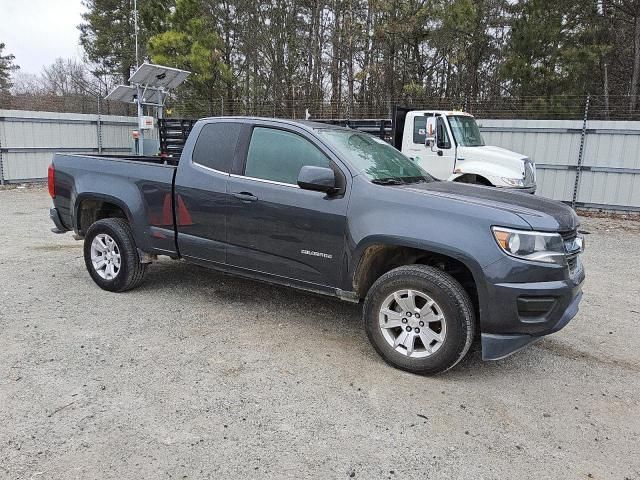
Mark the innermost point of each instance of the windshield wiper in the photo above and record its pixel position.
(387, 181)
(414, 179)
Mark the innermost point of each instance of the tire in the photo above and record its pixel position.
(447, 325)
(127, 271)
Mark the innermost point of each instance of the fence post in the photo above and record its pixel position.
(99, 126)
(583, 137)
(1, 159)
(1, 167)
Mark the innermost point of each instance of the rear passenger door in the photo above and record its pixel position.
(201, 199)
(273, 226)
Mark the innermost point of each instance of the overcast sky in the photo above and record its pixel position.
(39, 31)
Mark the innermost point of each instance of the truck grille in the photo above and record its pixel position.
(529, 176)
(571, 255)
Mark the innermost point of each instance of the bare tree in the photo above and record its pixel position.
(27, 84)
(65, 77)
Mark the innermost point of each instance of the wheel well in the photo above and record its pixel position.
(472, 178)
(92, 210)
(379, 259)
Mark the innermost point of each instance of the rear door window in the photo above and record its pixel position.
(216, 145)
(278, 155)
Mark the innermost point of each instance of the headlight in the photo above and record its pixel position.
(534, 246)
(513, 182)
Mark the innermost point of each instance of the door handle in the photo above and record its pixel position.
(245, 196)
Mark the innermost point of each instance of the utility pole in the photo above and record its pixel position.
(139, 90)
(135, 30)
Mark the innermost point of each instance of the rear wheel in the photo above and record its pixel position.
(419, 319)
(111, 256)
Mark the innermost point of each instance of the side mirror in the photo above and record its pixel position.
(319, 179)
(432, 133)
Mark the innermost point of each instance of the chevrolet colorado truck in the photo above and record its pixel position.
(339, 212)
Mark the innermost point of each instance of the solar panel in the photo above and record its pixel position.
(127, 93)
(158, 76)
(122, 93)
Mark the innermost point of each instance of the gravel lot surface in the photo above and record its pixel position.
(200, 375)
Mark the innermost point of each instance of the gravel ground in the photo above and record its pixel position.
(200, 375)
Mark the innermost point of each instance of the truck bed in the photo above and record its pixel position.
(140, 187)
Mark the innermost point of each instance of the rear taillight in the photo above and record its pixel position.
(51, 177)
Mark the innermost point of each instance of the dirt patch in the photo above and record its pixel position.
(57, 248)
(203, 375)
(631, 216)
(608, 224)
(568, 351)
(24, 186)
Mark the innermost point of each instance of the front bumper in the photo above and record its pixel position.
(496, 347)
(523, 310)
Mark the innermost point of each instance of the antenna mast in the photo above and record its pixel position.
(135, 29)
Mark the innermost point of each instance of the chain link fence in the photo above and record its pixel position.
(64, 104)
(582, 157)
(531, 108)
(185, 106)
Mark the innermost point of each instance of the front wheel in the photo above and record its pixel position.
(419, 319)
(111, 256)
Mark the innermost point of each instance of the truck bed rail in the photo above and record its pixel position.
(173, 135)
(175, 131)
(380, 127)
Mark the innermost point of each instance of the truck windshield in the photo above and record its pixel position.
(465, 131)
(374, 157)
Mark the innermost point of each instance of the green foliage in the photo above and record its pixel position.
(192, 43)
(289, 55)
(7, 67)
(555, 48)
(107, 33)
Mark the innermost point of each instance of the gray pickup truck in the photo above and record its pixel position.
(338, 212)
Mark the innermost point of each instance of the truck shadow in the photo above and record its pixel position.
(202, 284)
(314, 312)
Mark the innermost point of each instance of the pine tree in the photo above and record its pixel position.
(108, 34)
(7, 67)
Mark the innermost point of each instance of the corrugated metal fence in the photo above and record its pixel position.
(29, 139)
(597, 166)
(604, 173)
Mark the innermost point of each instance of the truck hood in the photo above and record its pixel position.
(495, 155)
(540, 213)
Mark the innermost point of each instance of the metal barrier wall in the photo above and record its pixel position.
(593, 165)
(29, 139)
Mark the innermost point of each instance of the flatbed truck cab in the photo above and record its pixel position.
(449, 146)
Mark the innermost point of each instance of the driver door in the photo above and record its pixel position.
(438, 160)
(275, 227)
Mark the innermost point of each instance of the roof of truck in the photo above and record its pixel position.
(441, 112)
(309, 124)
